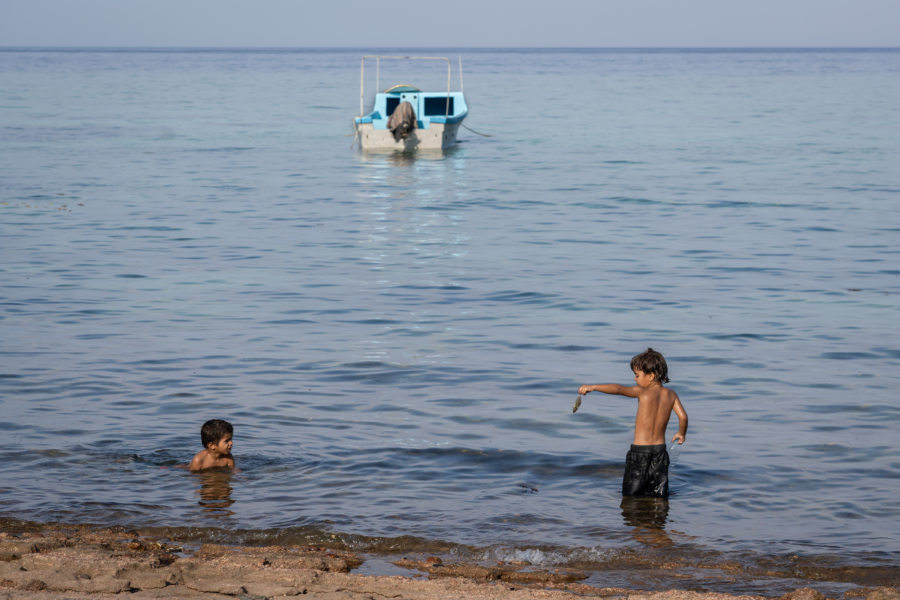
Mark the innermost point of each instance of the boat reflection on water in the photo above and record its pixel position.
(215, 492)
(648, 518)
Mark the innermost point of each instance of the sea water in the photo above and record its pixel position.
(397, 339)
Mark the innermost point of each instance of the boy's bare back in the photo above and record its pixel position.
(655, 405)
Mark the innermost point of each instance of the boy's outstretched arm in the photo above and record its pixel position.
(611, 388)
(682, 421)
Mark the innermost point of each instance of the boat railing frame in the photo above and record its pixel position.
(379, 57)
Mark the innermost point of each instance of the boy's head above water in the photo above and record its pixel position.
(651, 362)
(214, 430)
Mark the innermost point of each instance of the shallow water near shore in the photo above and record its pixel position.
(398, 339)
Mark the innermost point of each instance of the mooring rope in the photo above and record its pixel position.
(475, 132)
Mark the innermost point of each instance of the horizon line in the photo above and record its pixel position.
(436, 47)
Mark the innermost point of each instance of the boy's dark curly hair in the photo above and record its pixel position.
(214, 430)
(653, 362)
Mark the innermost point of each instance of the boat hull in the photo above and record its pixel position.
(437, 136)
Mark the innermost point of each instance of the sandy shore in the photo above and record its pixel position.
(80, 563)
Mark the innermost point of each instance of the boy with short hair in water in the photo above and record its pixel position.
(647, 462)
(216, 436)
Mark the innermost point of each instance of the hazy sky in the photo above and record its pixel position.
(306, 23)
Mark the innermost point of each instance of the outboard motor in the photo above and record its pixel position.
(402, 121)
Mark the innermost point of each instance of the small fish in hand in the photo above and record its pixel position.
(577, 403)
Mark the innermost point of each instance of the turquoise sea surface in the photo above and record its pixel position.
(398, 339)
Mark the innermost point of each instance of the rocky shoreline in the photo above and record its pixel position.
(75, 563)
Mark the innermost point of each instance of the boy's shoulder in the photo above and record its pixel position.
(669, 398)
(200, 461)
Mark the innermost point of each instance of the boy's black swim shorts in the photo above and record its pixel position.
(646, 472)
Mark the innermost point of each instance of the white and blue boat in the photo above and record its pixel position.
(405, 118)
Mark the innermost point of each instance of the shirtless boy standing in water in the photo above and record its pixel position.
(647, 463)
